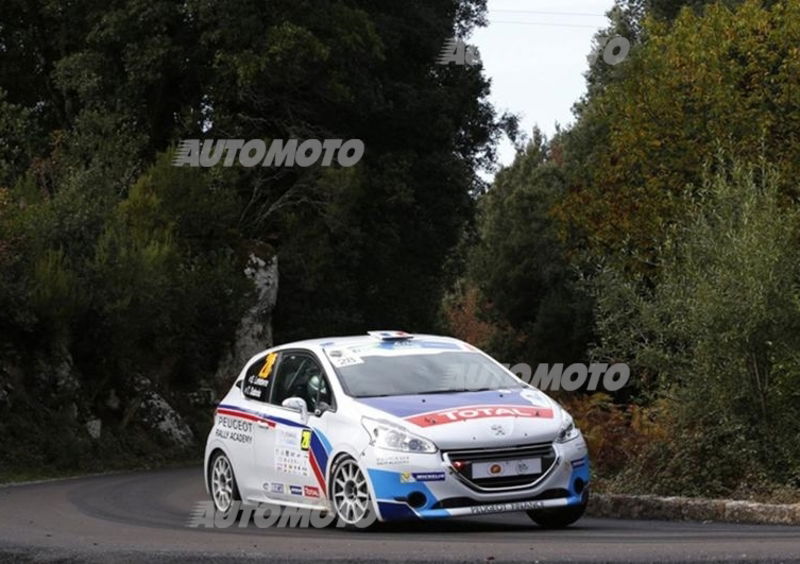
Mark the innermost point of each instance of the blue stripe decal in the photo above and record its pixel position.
(288, 422)
(413, 343)
(394, 511)
(581, 472)
(406, 406)
(326, 444)
(319, 451)
(387, 486)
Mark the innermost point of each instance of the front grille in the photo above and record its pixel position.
(469, 457)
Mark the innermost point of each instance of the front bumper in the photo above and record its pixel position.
(426, 486)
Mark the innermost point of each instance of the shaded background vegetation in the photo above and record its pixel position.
(659, 230)
(114, 265)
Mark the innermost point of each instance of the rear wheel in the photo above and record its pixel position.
(350, 495)
(224, 491)
(559, 517)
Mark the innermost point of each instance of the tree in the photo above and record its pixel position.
(726, 77)
(521, 268)
(129, 266)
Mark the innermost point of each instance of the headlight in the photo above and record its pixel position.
(387, 435)
(568, 430)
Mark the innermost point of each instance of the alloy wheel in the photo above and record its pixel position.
(350, 493)
(222, 484)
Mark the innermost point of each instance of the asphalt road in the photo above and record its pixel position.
(143, 517)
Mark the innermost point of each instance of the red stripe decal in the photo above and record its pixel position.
(315, 467)
(246, 416)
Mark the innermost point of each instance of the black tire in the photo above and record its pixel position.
(559, 517)
(349, 493)
(222, 482)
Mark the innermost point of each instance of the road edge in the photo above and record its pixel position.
(625, 506)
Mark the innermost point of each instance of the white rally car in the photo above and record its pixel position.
(394, 426)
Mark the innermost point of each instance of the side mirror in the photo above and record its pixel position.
(322, 407)
(297, 404)
(240, 385)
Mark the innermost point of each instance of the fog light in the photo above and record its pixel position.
(417, 499)
(578, 485)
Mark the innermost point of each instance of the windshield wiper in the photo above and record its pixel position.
(456, 391)
(433, 392)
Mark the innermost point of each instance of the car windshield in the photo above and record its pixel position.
(431, 373)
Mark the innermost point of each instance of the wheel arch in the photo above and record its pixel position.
(334, 460)
(338, 457)
(207, 470)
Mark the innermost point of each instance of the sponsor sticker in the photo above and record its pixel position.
(310, 491)
(305, 439)
(288, 436)
(291, 461)
(428, 476)
(234, 429)
(479, 412)
(405, 477)
(503, 507)
(269, 362)
(392, 460)
(507, 468)
(276, 488)
(345, 360)
(295, 490)
(578, 463)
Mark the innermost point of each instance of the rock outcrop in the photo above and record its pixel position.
(254, 333)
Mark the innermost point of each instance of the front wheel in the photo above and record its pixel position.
(350, 496)
(559, 517)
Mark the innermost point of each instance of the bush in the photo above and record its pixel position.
(719, 328)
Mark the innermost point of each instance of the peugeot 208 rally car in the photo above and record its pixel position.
(394, 426)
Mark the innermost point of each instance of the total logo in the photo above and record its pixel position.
(479, 412)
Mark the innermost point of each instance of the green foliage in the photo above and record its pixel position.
(14, 139)
(521, 267)
(719, 329)
(55, 288)
(165, 275)
(134, 267)
(724, 77)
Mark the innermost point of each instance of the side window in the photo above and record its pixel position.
(300, 375)
(257, 380)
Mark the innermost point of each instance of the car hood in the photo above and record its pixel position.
(475, 419)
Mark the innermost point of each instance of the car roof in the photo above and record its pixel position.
(354, 340)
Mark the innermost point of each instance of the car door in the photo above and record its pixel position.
(291, 452)
(255, 387)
